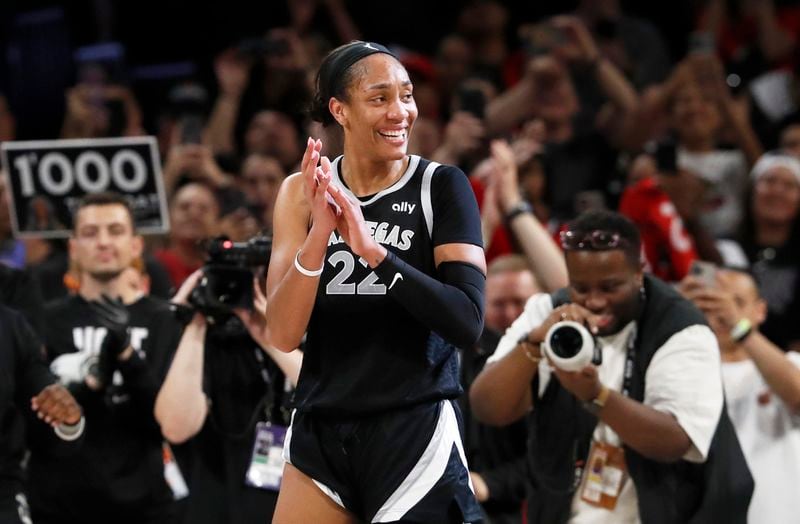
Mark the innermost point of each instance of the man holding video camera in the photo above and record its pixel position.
(642, 437)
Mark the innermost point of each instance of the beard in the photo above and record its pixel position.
(105, 276)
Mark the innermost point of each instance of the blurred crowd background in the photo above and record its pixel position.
(658, 110)
(682, 115)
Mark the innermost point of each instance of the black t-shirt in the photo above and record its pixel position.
(777, 271)
(119, 469)
(244, 387)
(23, 374)
(365, 352)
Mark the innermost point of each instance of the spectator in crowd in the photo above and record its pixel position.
(261, 177)
(272, 72)
(656, 425)
(576, 158)
(762, 390)
(220, 398)
(770, 240)
(751, 36)
(503, 203)
(110, 346)
(452, 64)
(193, 162)
(56, 276)
(790, 139)
(665, 204)
(633, 44)
(194, 218)
(700, 107)
(497, 455)
(28, 388)
(483, 25)
(274, 133)
(97, 109)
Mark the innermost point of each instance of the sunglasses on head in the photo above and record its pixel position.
(597, 239)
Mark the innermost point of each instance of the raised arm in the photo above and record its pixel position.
(544, 256)
(233, 75)
(300, 240)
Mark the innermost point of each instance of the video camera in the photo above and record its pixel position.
(227, 281)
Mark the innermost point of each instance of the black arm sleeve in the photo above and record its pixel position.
(452, 307)
(453, 304)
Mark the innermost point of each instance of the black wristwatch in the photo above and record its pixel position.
(522, 208)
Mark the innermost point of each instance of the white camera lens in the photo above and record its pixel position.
(569, 345)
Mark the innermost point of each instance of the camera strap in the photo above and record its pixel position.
(630, 357)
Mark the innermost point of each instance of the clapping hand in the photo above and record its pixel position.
(111, 314)
(55, 405)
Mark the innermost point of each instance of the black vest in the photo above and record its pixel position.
(560, 432)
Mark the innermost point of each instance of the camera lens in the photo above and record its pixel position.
(566, 341)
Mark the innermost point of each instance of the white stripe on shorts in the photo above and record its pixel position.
(428, 470)
(287, 444)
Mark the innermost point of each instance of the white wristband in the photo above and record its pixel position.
(70, 432)
(298, 266)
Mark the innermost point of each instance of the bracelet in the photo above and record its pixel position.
(303, 271)
(523, 208)
(525, 343)
(70, 432)
(741, 330)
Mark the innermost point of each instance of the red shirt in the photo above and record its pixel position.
(177, 269)
(668, 247)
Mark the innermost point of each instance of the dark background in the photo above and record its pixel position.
(38, 39)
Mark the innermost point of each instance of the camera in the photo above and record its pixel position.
(227, 281)
(570, 346)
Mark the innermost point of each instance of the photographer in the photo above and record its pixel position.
(649, 421)
(226, 400)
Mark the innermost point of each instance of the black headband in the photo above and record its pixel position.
(346, 57)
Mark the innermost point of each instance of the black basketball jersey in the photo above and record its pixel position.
(365, 352)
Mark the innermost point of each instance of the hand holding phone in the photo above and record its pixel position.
(706, 272)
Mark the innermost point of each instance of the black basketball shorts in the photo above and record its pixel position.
(405, 465)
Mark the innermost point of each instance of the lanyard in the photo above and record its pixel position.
(630, 357)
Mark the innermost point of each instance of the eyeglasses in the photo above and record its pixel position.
(597, 239)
